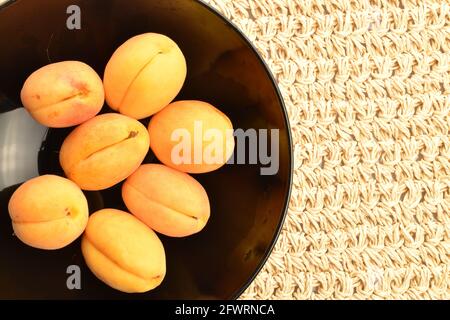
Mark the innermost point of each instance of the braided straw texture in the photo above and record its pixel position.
(367, 87)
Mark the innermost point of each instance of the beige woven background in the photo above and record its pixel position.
(367, 87)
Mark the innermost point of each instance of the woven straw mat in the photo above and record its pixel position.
(367, 87)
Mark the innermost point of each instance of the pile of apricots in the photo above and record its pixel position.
(141, 79)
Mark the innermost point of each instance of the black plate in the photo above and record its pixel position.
(247, 208)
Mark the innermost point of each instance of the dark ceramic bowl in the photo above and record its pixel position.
(247, 208)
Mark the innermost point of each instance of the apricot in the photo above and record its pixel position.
(191, 136)
(123, 252)
(144, 75)
(48, 212)
(104, 151)
(63, 94)
(168, 201)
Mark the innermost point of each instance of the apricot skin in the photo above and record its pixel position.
(48, 212)
(144, 75)
(168, 201)
(123, 252)
(104, 151)
(63, 94)
(184, 115)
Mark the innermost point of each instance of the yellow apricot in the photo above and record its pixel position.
(144, 75)
(63, 94)
(48, 212)
(168, 201)
(104, 151)
(191, 136)
(123, 252)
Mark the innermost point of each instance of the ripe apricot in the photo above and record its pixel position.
(123, 252)
(144, 75)
(191, 136)
(168, 201)
(104, 151)
(63, 94)
(48, 212)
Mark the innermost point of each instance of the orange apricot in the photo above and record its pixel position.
(63, 94)
(123, 252)
(191, 136)
(168, 201)
(144, 75)
(48, 212)
(104, 151)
